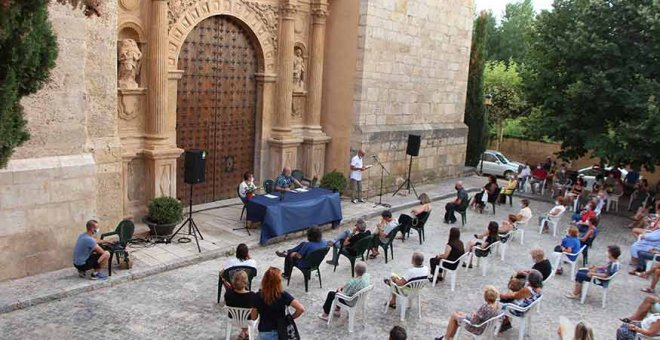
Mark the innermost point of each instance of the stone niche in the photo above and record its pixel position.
(131, 77)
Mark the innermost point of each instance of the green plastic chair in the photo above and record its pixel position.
(300, 176)
(269, 186)
(229, 273)
(464, 213)
(313, 260)
(389, 243)
(419, 225)
(124, 231)
(361, 246)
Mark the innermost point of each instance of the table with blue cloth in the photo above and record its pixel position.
(295, 211)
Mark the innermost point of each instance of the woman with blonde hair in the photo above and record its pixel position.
(487, 311)
(272, 303)
(239, 296)
(406, 221)
(568, 331)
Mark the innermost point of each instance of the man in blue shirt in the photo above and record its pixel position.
(295, 256)
(87, 254)
(283, 181)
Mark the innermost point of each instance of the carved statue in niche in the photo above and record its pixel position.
(128, 56)
(298, 70)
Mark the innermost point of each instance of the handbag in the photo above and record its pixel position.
(286, 328)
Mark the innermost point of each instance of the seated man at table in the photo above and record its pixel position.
(284, 181)
(348, 238)
(295, 256)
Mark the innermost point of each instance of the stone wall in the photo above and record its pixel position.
(411, 78)
(70, 170)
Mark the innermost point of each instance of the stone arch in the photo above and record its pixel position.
(260, 27)
(131, 28)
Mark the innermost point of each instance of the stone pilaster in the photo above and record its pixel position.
(157, 76)
(281, 124)
(315, 82)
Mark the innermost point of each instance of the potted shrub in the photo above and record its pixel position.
(164, 214)
(335, 181)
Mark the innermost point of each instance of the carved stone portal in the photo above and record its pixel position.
(298, 70)
(128, 57)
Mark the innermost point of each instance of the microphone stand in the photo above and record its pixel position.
(380, 195)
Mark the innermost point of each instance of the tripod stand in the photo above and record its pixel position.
(380, 195)
(408, 183)
(192, 226)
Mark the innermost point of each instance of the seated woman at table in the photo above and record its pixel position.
(284, 181)
(406, 221)
(247, 186)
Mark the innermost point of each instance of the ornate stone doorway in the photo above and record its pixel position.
(216, 105)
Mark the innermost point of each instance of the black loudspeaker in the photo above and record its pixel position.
(413, 145)
(194, 166)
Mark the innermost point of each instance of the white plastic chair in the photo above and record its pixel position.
(358, 302)
(239, 318)
(405, 294)
(519, 229)
(445, 270)
(644, 337)
(491, 328)
(545, 285)
(566, 256)
(553, 221)
(613, 200)
(653, 262)
(525, 327)
(634, 195)
(594, 281)
(485, 266)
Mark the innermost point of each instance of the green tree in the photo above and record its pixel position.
(596, 77)
(505, 85)
(28, 50)
(475, 115)
(512, 39)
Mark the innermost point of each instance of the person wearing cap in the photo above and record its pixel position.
(348, 238)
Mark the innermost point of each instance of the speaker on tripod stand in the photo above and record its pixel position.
(193, 173)
(412, 149)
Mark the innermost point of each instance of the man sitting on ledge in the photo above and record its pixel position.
(87, 254)
(284, 181)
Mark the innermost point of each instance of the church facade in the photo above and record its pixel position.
(258, 84)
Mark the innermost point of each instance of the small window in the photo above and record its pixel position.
(502, 159)
(489, 158)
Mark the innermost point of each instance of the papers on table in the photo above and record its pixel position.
(271, 196)
(300, 190)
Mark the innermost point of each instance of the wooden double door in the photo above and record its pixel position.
(216, 105)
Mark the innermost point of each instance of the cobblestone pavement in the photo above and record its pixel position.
(180, 304)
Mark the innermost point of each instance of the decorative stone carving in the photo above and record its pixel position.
(165, 181)
(128, 57)
(176, 8)
(298, 105)
(128, 4)
(298, 70)
(130, 103)
(268, 14)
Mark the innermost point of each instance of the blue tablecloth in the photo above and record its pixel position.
(295, 212)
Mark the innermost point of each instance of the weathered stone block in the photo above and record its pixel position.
(12, 222)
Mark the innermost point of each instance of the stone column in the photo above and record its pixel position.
(281, 123)
(315, 80)
(157, 76)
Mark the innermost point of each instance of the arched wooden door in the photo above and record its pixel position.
(216, 105)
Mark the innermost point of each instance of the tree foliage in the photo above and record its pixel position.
(512, 39)
(504, 83)
(28, 50)
(475, 115)
(597, 79)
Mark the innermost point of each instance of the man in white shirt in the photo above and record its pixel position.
(356, 177)
(418, 272)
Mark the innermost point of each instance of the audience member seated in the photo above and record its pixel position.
(541, 264)
(588, 231)
(522, 217)
(418, 272)
(479, 201)
(568, 331)
(538, 176)
(398, 333)
(549, 164)
(642, 189)
(242, 259)
(284, 181)
(645, 224)
(523, 297)
(348, 238)
(459, 204)
(295, 256)
(523, 176)
(453, 250)
(557, 210)
(247, 186)
(576, 193)
(489, 310)
(239, 296)
(631, 179)
(585, 275)
(508, 189)
(480, 245)
(645, 243)
(641, 322)
(88, 255)
(406, 221)
(654, 272)
(569, 244)
(383, 228)
(271, 304)
(584, 216)
(560, 181)
(354, 285)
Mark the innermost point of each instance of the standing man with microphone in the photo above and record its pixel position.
(356, 177)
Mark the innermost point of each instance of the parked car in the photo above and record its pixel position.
(496, 164)
(589, 174)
